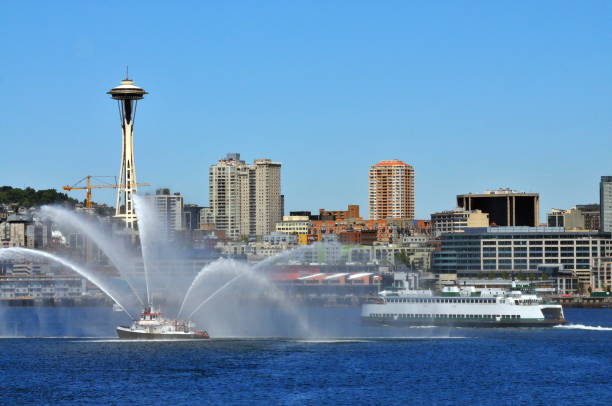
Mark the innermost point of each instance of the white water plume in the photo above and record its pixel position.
(115, 252)
(296, 253)
(149, 230)
(215, 293)
(248, 284)
(229, 296)
(12, 253)
(221, 265)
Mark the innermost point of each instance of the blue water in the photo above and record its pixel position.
(429, 366)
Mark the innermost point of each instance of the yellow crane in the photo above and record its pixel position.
(89, 187)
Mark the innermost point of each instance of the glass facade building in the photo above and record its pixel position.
(516, 249)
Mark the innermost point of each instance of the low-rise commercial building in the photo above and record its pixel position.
(41, 287)
(456, 220)
(294, 225)
(352, 212)
(520, 250)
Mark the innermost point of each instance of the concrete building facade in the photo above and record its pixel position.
(571, 219)
(605, 204)
(456, 220)
(245, 200)
(391, 190)
(601, 275)
(207, 218)
(268, 202)
(20, 230)
(169, 210)
(295, 225)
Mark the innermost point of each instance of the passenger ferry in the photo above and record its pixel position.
(153, 326)
(464, 306)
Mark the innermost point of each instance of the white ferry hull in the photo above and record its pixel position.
(402, 322)
(462, 314)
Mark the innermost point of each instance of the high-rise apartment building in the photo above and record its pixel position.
(169, 210)
(225, 191)
(245, 199)
(391, 190)
(268, 204)
(605, 204)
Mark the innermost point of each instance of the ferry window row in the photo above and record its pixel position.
(445, 316)
(440, 300)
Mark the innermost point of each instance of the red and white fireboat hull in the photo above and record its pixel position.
(127, 333)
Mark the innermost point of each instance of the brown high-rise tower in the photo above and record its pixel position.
(391, 190)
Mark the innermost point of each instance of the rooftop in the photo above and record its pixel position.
(391, 162)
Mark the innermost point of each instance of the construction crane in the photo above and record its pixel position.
(89, 187)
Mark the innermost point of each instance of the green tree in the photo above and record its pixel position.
(30, 197)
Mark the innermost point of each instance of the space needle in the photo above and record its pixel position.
(127, 95)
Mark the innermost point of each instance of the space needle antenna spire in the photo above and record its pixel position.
(127, 95)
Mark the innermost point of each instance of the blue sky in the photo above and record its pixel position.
(476, 95)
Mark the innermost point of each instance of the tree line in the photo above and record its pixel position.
(30, 197)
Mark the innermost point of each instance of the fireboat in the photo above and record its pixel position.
(153, 326)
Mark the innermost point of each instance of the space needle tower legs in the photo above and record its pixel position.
(127, 95)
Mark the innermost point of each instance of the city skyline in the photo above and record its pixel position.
(389, 93)
(305, 202)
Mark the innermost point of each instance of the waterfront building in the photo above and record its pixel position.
(25, 286)
(391, 190)
(520, 250)
(456, 220)
(505, 207)
(601, 275)
(605, 204)
(245, 199)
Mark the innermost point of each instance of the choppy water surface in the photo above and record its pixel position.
(351, 365)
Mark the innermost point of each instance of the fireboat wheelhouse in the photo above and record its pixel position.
(153, 326)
